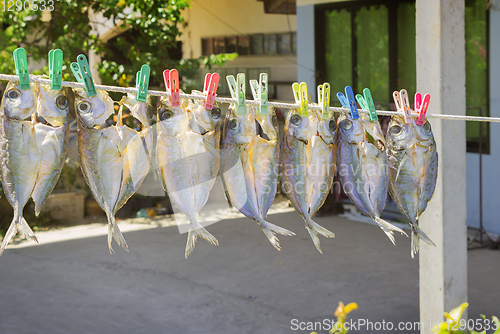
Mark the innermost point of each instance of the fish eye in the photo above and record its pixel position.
(61, 102)
(234, 124)
(13, 93)
(396, 130)
(84, 107)
(427, 127)
(166, 115)
(332, 125)
(215, 113)
(346, 124)
(274, 119)
(296, 119)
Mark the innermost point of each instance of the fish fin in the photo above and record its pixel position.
(18, 224)
(400, 166)
(194, 233)
(314, 228)
(270, 230)
(114, 232)
(416, 235)
(388, 228)
(211, 149)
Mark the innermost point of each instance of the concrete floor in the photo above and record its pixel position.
(242, 286)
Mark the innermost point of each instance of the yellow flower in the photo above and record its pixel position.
(452, 324)
(342, 311)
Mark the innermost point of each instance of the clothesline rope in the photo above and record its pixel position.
(126, 90)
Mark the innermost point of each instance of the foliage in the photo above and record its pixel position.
(70, 173)
(341, 313)
(146, 31)
(454, 323)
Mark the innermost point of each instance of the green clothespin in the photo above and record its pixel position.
(55, 68)
(366, 103)
(324, 99)
(142, 83)
(259, 92)
(81, 70)
(300, 94)
(21, 63)
(237, 89)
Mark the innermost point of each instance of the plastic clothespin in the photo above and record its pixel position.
(324, 99)
(404, 105)
(210, 88)
(21, 63)
(366, 103)
(171, 78)
(81, 70)
(259, 92)
(343, 100)
(421, 107)
(352, 102)
(55, 68)
(237, 89)
(142, 83)
(301, 98)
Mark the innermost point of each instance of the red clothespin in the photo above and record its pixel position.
(171, 78)
(210, 89)
(421, 107)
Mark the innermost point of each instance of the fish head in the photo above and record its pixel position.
(268, 123)
(400, 135)
(207, 119)
(143, 111)
(93, 111)
(300, 128)
(52, 105)
(173, 120)
(350, 130)
(373, 133)
(424, 135)
(18, 103)
(327, 128)
(239, 129)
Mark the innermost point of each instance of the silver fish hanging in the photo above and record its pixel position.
(308, 165)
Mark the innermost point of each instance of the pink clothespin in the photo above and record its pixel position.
(421, 107)
(403, 104)
(210, 88)
(171, 78)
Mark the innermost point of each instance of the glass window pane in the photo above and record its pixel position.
(294, 43)
(338, 60)
(207, 46)
(231, 44)
(407, 65)
(270, 47)
(243, 45)
(257, 44)
(218, 45)
(284, 44)
(372, 38)
(476, 66)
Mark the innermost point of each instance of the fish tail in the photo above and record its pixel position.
(388, 229)
(314, 228)
(416, 235)
(18, 224)
(114, 232)
(270, 230)
(195, 231)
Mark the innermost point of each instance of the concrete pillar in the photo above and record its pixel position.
(306, 63)
(441, 72)
(94, 58)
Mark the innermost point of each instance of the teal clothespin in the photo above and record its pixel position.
(81, 70)
(301, 98)
(259, 91)
(352, 102)
(324, 99)
(55, 68)
(237, 89)
(142, 83)
(21, 63)
(366, 103)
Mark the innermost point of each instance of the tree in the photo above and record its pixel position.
(150, 31)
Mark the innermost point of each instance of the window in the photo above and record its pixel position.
(257, 44)
(372, 44)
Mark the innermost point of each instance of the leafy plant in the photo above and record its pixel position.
(70, 173)
(454, 323)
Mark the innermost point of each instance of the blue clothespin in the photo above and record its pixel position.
(142, 83)
(55, 68)
(352, 102)
(237, 89)
(366, 103)
(324, 99)
(343, 100)
(21, 63)
(259, 91)
(81, 70)
(301, 98)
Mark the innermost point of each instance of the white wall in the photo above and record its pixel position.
(491, 162)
